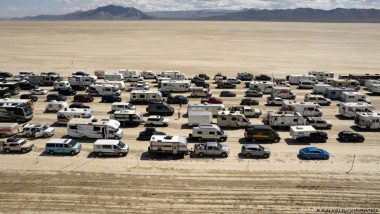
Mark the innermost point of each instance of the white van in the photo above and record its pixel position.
(306, 84)
(110, 147)
(227, 119)
(118, 106)
(175, 85)
(56, 106)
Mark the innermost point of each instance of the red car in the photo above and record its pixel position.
(212, 100)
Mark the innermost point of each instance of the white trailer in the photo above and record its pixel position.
(9, 129)
(213, 108)
(113, 77)
(175, 85)
(322, 75)
(368, 120)
(294, 79)
(353, 97)
(88, 128)
(200, 92)
(196, 118)
(227, 119)
(350, 110)
(175, 75)
(81, 81)
(62, 85)
(129, 73)
(102, 90)
(321, 88)
(65, 115)
(283, 119)
(374, 88)
(306, 109)
(143, 96)
(283, 92)
(263, 86)
(119, 84)
(164, 144)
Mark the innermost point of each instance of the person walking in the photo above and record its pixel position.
(179, 114)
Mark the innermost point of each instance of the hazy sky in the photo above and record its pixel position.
(16, 8)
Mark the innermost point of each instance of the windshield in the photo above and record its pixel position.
(121, 144)
(220, 146)
(72, 143)
(44, 127)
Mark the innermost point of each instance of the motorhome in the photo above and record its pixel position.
(13, 87)
(113, 77)
(364, 77)
(294, 79)
(207, 132)
(175, 86)
(374, 88)
(119, 84)
(128, 117)
(128, 74)
(18, 112)
(319, 99)
(200, 92)
(370, 82)
(196, 118)
(62, 85)
(142, 96)
(368, 120)
(350, 110)
(56, 106)
(306, 109)
(164, 144)
(283, 119)
(45, 79)
(13, 102)
(103, 90)
(118, 106)
(213, 108)
(78, 81)
(227, 119)
(88, 128)
(354, 97)
(307, 133)
(65, 115)
(99, 74)
(148, 75)
(322, 75)
(321, 88)
(283, 92)
(347, 83)
(246, 111)
(262, 86)
(334, 93)
(110, 147)
(9, 129)
(175, 75)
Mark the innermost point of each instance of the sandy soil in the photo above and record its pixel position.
(36, 182)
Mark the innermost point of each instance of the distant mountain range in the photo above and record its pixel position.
(112, 12)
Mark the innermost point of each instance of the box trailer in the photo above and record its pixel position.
(213, 108)
(175, 86)
(196, 118)
(164, 144)
(322, 75)
(334, 93)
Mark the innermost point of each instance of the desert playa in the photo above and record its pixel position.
(40, 183)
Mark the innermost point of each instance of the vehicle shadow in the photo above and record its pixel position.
(358, 129)
(241, 156)
(46, 154)
(56, 124)
(160, 157)
(186, 126)
(94, 155)
(244, 141)
(293, 142)
(206, 157)
(341, 141)
(340, 117)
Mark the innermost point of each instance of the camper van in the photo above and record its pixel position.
(88, 128)
(118, 106)
(262, 86)
(306, 84)
(103, 90)
(346, 83)
(334, 93)
(261, 133)
(164, 144)
(283, 92)
(208, 132)
(113, 77)
(213, 108)
(319, 99)
(227, 119)
(283, 119)
(128, 117)
(200, 92)
(368, 120)
(175, 86)
(56, 106)
(110, 147)
(196, 118)
(17, 112)
(322, 75)
(354, 97)
(350, 110)
(45, 79)
(320, 88)
(77, 81)
(306, 109)
(142, 96)
(63, 146)
(294, 79)
(65, 115)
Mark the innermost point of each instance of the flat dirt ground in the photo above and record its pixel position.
(39, 183)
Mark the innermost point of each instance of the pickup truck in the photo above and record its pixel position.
(211, 149)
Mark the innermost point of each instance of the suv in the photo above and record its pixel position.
(318, 123)
(225, 85)
(157, 120)
(84, 98)
(249, 102)
(227, 94)
(78, 105)
(208, 132)
(37, 130)
(254, 150)
(274, 101)
(14, 144)
(110, 99)
(29, 97)
(178, 99)
(67, 92)
(253, 93)
(160, 108)
(263, 77)
(148, 133)
(56, 97)
(349, 136)
(261, 133)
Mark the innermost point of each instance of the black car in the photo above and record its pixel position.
(56, 97)
(148, 132)
(197, 79)
(110, 99)
(5, 74)
(29, 97)
(249, 102)
(78, 105)
(177, 99)
(165, 93)
(80, 73)
(204, 76)
(263, 77)
(202, 84)
(67, 92)
(225, 85)
(27, 85)
(227, 94)
(349, 136)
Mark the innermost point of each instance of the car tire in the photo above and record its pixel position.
(51, 152)
(224, 155)
(265, 156)
(325, 158)
(120, 154)
(24, 150)
(277, 140)
(223, 139)
(248, 155)
(72, 153)
(28, 135)
(46, 135)
(6, 150)
(100, 154)
(201, 154)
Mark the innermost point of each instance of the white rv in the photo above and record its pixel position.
(374, 88)
(322, 75)
(65, 115)
(142, 96)
(320, 88)
(352, 96)
(350, 110)
(81, 81)
(320, 99)
(62, 85)
(164, 144)
(262, 86)
(369, 120)
(306, 109)
(113, 77)
(175, 85)
(283, 119)
(283, 92)
(128, 74)
(128, 117)
(370, 82)
(119, 84)
(56, 106)
(227, 119)
(175, 75)
(199, 117)
(148, 74)
(200, 92)
(118, 106)
(88, 128)
(102, 90)
(213, 108)
(294, 79)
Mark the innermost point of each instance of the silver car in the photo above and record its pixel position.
(255, 150)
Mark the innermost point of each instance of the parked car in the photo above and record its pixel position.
(349, 136)
(148, 132)
(5, 74)
(227, 94)
(63, 146)
(274, 101)
(24, 85)
(177, 99)
(263, 77)
(204, 76)
(80, 73)
(234, 81)
(313, 153)
(212, 100)
(110, 99)
(157, 120)
(197, 79)
(14, 144)
(29, 97)
(83, 98)
(37, 130)
(225, 85)
(38, 91)
(253, 93)
(318, 123)
(254, 150)
(56, 97)
(249, 102)
(67, 92)
(78, 105)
